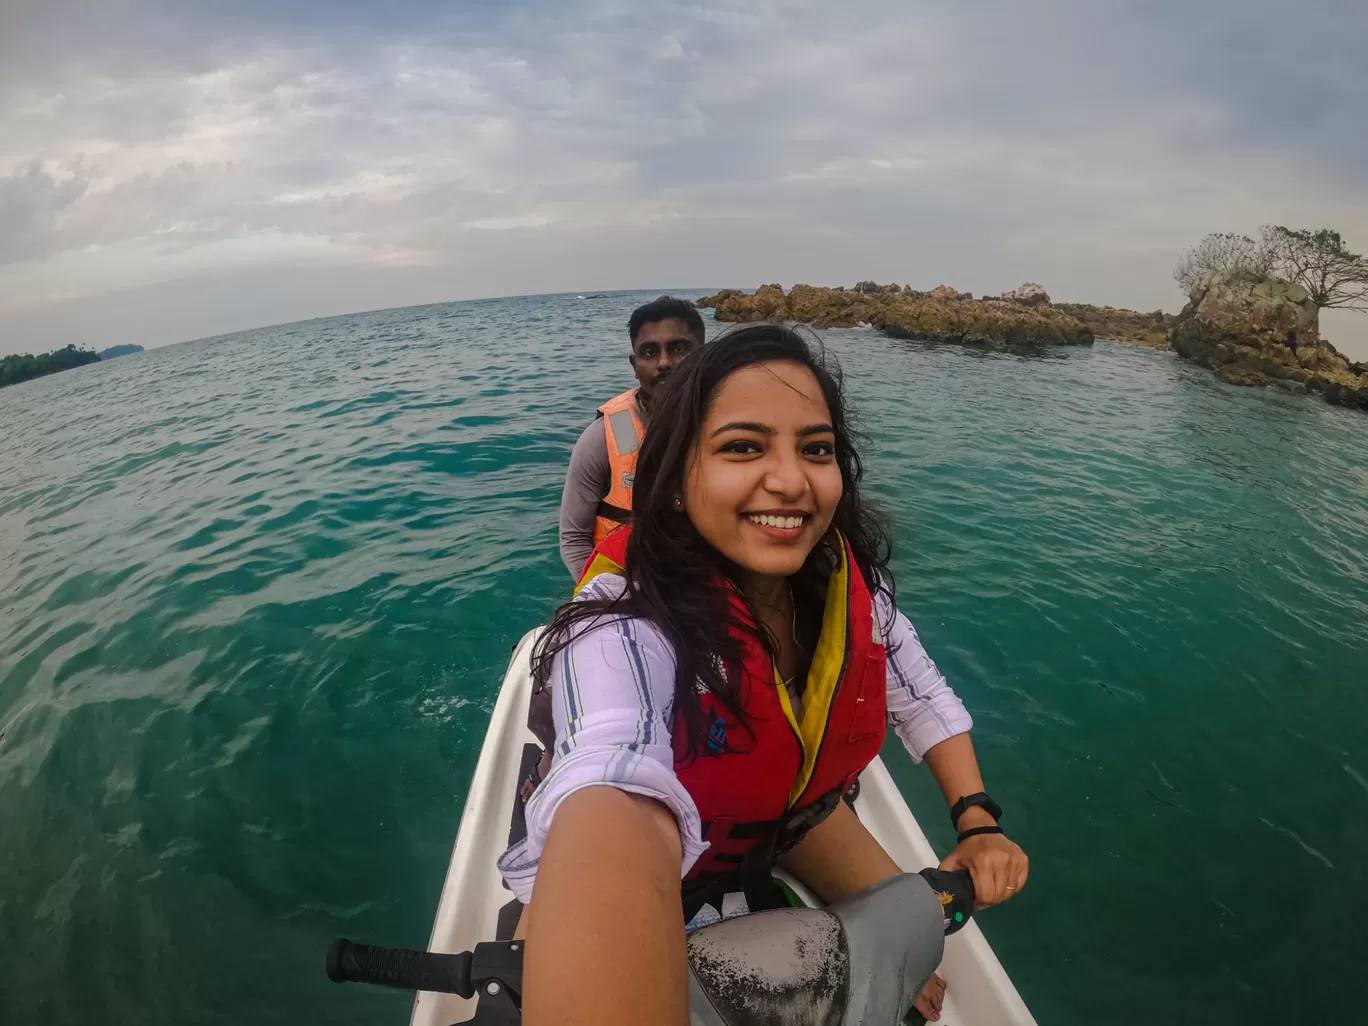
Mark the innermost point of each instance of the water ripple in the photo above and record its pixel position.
(257, 592)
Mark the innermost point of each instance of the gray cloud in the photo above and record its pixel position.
(32, 203)
(415, 154)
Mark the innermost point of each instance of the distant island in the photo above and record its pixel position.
(14, 369)
(116, 351)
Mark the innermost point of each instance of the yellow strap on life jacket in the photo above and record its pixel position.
(828, 664)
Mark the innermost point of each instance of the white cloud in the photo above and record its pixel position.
(503, 224)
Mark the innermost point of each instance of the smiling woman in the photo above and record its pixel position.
(764, 494)
(729, 667)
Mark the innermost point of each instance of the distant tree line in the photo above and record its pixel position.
(14, 369)
(1318, 261)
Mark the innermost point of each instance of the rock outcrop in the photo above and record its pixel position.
(873, 288)
(1028, 294)
(1252, 329)
(1141, 329)
(941, 315)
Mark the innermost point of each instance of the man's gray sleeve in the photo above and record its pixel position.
(586, 484)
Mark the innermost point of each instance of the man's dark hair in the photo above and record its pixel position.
(667, 308)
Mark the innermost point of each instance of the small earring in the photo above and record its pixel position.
(678, 502)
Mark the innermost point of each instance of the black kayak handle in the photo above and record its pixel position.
(460, 974)
(955, 888)
(403, 968)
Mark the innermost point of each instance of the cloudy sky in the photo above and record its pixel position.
(171, 169)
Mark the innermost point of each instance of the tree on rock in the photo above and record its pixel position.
(1222, 251)
(1320, 263)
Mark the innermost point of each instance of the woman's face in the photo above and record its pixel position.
(763, 483)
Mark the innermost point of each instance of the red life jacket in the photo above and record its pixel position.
(761, 786)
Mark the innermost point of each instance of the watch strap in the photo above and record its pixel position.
(979, 799)
(975, 831)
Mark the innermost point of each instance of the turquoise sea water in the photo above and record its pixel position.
(257, 592)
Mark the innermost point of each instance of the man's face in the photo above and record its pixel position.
(659, 348)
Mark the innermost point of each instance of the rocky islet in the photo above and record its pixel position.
(1254, 329)
(1250, 329)
(941, 315)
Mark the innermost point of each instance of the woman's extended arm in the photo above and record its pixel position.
(610, 833)
(605, 930)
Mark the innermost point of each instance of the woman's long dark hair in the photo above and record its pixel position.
(674, 577)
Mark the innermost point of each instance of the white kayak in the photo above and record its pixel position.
(476, 906)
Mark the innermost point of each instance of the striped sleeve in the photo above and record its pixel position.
(612, 692)
(922, 708)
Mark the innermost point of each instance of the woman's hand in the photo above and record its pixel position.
(999, 867)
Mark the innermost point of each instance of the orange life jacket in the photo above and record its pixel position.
(761, 785)
(623, 431)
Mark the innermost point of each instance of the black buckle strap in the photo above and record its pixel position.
(752, 874)
(608, 511)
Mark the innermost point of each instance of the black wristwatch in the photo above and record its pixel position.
(981, 800)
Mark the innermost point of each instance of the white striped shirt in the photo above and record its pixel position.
(612, 693)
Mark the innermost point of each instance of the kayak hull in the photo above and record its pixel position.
(474, 899)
